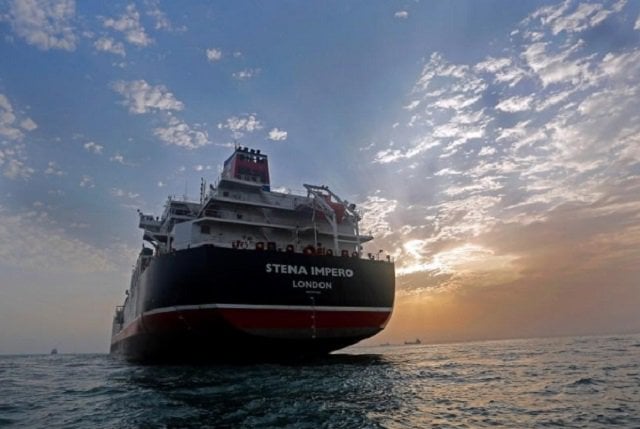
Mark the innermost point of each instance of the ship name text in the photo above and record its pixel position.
(314, 271)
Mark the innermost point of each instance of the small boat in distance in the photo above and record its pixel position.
(413, 343)
(54, 351)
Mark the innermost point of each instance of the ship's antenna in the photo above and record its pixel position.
(203, 189)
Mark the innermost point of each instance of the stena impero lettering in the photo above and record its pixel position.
(315, 271)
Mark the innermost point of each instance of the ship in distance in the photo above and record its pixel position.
(248, 272)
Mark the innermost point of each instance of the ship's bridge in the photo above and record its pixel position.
(247, 166)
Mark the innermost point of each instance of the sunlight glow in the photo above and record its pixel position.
(466, 258)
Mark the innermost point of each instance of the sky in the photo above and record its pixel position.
(493, 148)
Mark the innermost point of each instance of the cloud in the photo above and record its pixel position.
(179, 133)
(119, 158)
(376, 212)
(586, 15)
(554, 68)
(140, 97)
(8, 128)
(13, 155)
(486, 151)
(160, 18)
(87, 182)
(120, 193)
(107, 44)
(53, 169)
(277, 135)
(246, 74)
(16, 169)
(93, 147)
(33, 241)
(417, 147)
(129, 25)
(214, 55)
(239, 125)
(28, 124)
(637, 25)
(401, 14)
(515, 104)
(468, 170)
(46, 24)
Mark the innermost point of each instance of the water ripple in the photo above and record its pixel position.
(571, 382)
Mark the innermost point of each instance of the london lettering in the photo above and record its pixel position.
(314, 271)
(306, 284)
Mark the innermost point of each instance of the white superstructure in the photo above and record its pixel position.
(242, 212)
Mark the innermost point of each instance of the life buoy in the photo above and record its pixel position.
(309, 250)
(290, 248)
(329, 252)
(355, 254)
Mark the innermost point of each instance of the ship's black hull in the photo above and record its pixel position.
(211, 303)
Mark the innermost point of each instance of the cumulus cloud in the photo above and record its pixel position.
(401, 14)
(53, 169)
(486, 151)
(239, 125)
(93, 147)
(107, 44)
(246, 74)
(277, 135)
(87, 182)
(119, 158)
(16, 169)
(13, 156)
(8, 126)
(28, 124)
(129, 24)
(515, 104)
(214, 54)
(141, 97)
(179, 133)
(160, 18)
(46, 24)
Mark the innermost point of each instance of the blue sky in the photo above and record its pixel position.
(493, 146)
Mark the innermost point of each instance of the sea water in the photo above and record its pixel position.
(579, 382)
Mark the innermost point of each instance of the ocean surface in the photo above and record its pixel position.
(579, 382)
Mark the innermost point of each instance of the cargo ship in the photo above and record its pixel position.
(250, 272)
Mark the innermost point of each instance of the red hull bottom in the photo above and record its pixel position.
(218, 332)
